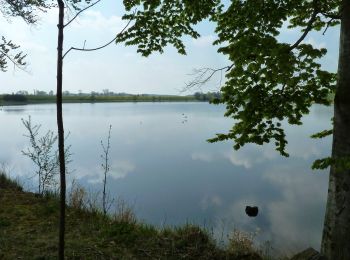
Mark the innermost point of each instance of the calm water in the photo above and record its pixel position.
(162, 165)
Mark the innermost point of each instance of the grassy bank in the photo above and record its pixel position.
(29, 229)
(37, 99)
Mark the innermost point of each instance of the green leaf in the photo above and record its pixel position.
(322, 134)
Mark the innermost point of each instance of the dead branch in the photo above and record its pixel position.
(100, 47)
(203, 75)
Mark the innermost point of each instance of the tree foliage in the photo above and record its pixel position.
(27, 10)
(160, 23)
(268, 81)
(6, 54)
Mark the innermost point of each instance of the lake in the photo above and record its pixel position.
(162, 166)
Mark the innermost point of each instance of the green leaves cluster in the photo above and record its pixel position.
(162, 22)
(268, 81)
(339, 164)
(6, 50)
(26, 9)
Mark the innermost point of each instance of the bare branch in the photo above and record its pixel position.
(203, 75)
(328, 24)
(82, 10)
(100, 47)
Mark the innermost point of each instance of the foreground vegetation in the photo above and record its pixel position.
(29, 226)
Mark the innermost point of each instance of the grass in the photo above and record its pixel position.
(7, 183)
(29, 230)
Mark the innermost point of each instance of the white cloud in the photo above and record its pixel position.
(95, 20)
(300, 190)
(201, 156)
(119, 169)
(315, 43)
(239, 160)
(210, 201)
(204, 41)
(21, 34)
(250, 155)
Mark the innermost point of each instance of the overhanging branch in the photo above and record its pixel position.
(307, 30)
(97, 48)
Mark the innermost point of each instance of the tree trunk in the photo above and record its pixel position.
(61, 130)
(336, 232)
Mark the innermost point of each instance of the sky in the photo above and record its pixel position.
(119, 68)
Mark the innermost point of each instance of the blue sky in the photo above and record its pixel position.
(119, 68)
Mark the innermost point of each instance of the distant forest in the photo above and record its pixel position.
(23, 97)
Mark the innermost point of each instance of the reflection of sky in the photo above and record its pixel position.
(164, 167)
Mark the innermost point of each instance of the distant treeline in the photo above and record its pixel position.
(35, 99)
(209, 96)
(39, 97)
(14, 98)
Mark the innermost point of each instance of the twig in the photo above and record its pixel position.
(203, 77)
(82, 10)
(328, 24)
(97, 48)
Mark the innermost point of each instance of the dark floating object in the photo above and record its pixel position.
(251, 211)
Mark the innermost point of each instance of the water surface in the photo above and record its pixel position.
(162, 165)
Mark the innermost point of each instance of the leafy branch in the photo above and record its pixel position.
(307, 29)
(6, 47)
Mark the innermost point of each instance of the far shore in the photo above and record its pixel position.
(10, 100)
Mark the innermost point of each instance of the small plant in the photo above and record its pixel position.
(43, 155)
(242, 243)
(77, 196)
(123, 212)
(106, 203)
